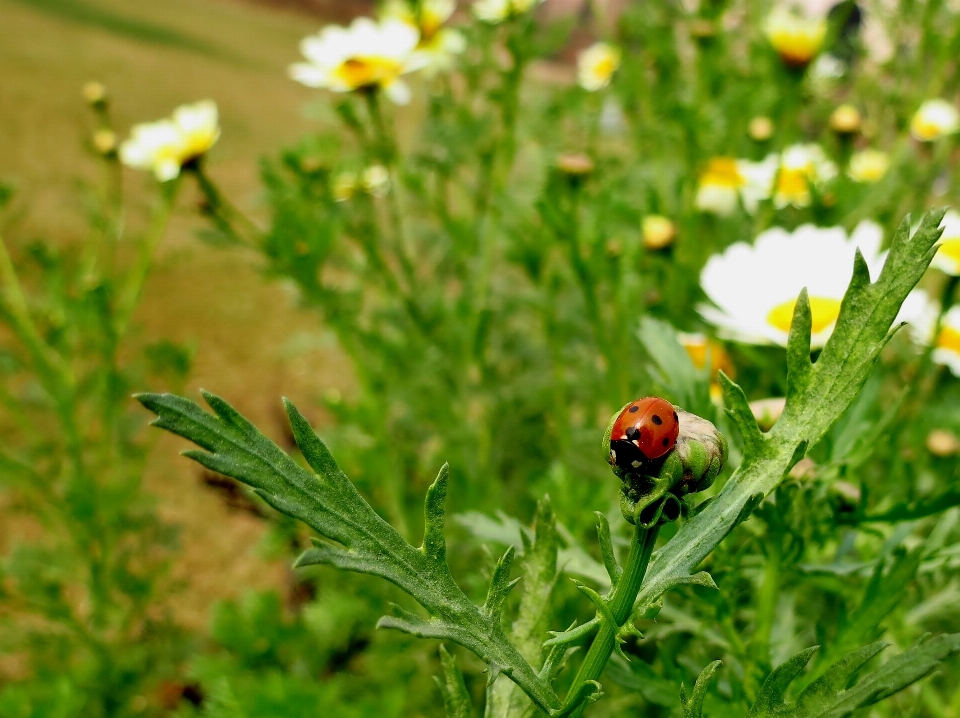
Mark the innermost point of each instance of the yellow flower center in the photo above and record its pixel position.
(723, 172)
(949, 339)
(605, 67)
(792, 185)
(951, 250)
(798, 40)
(366, 71)
(823, 311)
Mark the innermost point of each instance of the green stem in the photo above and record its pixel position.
(224, 214)
(130, 295)
(621, 604)
(766, 611)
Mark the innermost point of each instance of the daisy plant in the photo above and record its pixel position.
(353, 537)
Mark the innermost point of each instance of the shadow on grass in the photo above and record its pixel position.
(87, 13)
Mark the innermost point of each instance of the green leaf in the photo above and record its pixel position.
(817, 394)
(693, 707)
(357, 539)
(456, 699)
(832, 696)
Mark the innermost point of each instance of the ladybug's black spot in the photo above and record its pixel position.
(634, 409)
(633, 433)
(656, 420)
(666, 441)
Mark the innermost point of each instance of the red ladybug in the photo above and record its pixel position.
(645, 430)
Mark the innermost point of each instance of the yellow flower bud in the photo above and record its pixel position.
(94, 93)
(760, 129)
(105, 141)
(658, 231)
(846, 120)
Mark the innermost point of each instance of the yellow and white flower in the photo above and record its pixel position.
(727, 181)
(496, 11)
(367, 55)
(935, 119)
(801, 168)
(868, 166)
(438, 45)
(947, 349)
(947, 258)
(165, 146)
(795, 37)
(596, 65)
(754, 287)
(923, 322)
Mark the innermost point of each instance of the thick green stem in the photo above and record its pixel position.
(621, 604)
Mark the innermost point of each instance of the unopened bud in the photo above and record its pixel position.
(575, 165)
(942, 443)
(846, 120)
(105, 141)
(658, 231)
(94, 93)
(760, 128)
(767, 411)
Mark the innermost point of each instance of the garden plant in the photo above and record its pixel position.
(520, 227)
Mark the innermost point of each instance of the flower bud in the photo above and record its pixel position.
(575, 164)
(105, 141)
(760, 128)
(941, 442)
(845, 120)
(95, 94)
(652, 493)
(658, 231)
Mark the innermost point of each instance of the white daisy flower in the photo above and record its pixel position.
(923, 322)
(935, 119)
(795, 37)
(754, 287)
(438, 45)
(726, 181)
(868, 166)
(947, 349)
(947, 258)
(596, 65)
(496, 11)
(366, 55)
(165, 146)
(801, 167)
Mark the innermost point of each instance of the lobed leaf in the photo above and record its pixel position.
(357, 538)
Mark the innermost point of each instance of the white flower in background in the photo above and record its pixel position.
(367, 55)
(754, 287)
(596, 65)
(947, 349)
(935, 119)
(199, 128)
(727, 181)
(438, 45)
(796, 38)
(868, 166)
(923, 323)
(947, 258)
(801, 167)
(376, 180)
(827, 68)
(496, 11)
(165, 146)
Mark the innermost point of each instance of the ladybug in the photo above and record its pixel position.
(644, 431)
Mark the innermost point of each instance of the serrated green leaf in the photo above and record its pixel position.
(832, 697)
(456, 699)
(693, 707)
(362, 541)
